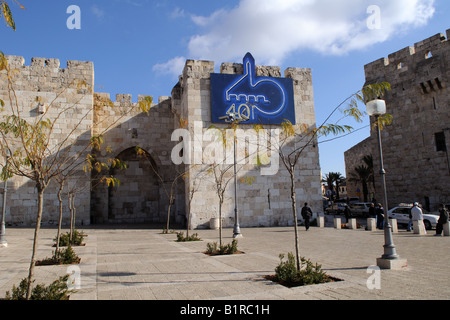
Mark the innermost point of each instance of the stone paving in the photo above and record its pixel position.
(140, 263)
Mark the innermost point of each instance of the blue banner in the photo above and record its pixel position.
(250, 99)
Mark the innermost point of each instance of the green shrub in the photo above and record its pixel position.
(63, 256)
(287, 274)
(182, 238)
(213, 249)
(58, 290)
(77, 238)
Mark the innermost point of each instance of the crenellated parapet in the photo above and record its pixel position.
(45, 76)
(419, 65)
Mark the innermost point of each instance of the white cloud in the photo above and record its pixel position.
(177, 13)
(273, 29)
(99, 13)
(173, 66)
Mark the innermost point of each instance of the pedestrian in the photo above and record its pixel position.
(307, 215)
(347, 213)
(417, 215)
(380, 217)
(443, 219)
(372, 212)
(410, 222)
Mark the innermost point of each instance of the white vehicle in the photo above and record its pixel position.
(360, 209)
(401, 213)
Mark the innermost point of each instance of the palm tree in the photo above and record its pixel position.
(368, 160)
(337, 178)
(362, 174)
(329, 180)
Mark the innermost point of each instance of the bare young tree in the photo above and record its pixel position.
(35, 152)
(296, 139)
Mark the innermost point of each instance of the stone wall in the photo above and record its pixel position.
(354, 158)
(263, 200)
(46, 91)
(145, 187)
(417, 166)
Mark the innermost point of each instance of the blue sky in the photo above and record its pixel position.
(140, 46)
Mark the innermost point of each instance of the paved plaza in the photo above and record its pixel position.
(141, 263)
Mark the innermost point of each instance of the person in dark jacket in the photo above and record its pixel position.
(443, 219)
(307, 215)
(380, 217)
(347, 213)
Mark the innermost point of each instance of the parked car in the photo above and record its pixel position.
(336, 208)
(401, 213)
(360, 209)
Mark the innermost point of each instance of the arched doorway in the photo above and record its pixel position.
(137, 198)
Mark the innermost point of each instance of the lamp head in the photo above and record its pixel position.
(376, 107)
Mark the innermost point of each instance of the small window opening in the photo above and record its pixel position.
(440, 141)
(424, 88)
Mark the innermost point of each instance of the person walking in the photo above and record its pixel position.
(307, 215)
(417, 215)
(380, 217)
(347, 213)
(443, 219)
(372, 211)
(410, 222)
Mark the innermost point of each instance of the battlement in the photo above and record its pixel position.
(421, 51)
(45, 75)
(126, 99)
(19, 62)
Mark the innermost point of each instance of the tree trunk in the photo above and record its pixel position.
(294, 212)
(58, 234)
(365, 190)
(36, 238)
(188, 223)
(220, 221)
(168, 213)
(71, 218)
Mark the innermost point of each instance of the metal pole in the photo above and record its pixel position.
(389, 247)
(237, 229)
(3, 242)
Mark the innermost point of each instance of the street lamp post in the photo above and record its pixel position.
(3, 242)
(236, 229)
(390, 259)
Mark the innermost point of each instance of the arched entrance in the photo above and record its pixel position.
(137, 198)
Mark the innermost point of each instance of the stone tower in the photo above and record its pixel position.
(416, 146)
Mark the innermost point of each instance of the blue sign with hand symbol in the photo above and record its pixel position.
(250, 99)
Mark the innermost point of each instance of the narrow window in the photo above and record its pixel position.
(440, 141)
(424, 88)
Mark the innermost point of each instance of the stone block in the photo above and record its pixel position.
(371, 224)
(397, 264)
(446, 229)
(352, 224)
(394, 225)
(337, 223)
(321, 221)
(419, 227)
